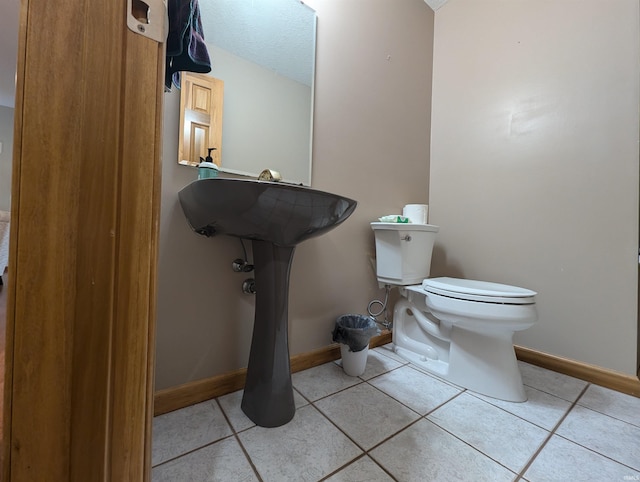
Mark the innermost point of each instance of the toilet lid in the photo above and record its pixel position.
(473, 290)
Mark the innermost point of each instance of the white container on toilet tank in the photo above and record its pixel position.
(403, 252)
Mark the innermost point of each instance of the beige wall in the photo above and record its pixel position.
(534, 164)
(371, 143)
(6, 138)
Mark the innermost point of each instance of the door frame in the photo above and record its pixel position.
(83, 247)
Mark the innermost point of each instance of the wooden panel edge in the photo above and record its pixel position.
(174, 398)
(591, 373)
(5, 458)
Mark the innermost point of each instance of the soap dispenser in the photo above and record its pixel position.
(207, 168)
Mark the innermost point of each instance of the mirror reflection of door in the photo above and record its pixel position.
(201, 99)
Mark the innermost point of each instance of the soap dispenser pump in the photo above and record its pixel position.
(207, 168)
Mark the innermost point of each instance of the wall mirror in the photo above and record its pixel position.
(263, 57)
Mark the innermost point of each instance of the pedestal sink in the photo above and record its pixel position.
(275, 217)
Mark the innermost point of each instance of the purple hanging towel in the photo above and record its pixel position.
(186, 50)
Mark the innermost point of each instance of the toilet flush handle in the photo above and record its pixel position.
(406, 237)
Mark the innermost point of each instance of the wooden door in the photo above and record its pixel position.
(84, 235)
(201, 102)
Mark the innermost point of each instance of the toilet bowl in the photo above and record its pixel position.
(465, 335)
(460, 330)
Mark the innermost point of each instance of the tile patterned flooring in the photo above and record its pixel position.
(396, 422)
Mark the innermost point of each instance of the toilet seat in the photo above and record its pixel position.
(479, 291)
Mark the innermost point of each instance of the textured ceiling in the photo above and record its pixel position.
(275, 30)
(276, 34)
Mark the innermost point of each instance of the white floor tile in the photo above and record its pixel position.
(437, 377)
(306, 449)
(323, 380)
(541, 408)
(298, 399)
(608, 436)
(230, 404)
(561, 460)
(362, 470)
(557, 384)
(222, 461)
(366, 414)
(425, 452)
(465, 436)
(176, 433)
(232, 407)
(415, 389)
(387, 350)
(503, 437)
(618, 405)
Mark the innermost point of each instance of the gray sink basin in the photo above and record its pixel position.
(275, 217)
(282, 214)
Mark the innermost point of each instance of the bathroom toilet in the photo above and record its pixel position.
(460, 330)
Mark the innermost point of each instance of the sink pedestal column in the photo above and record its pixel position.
(268, 392)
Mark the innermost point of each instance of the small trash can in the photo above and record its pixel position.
(353, 332)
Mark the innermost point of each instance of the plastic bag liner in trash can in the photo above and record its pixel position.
(355, 331)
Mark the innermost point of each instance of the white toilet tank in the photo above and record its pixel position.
(403, 252)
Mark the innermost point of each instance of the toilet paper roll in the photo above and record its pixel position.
(417, 213)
